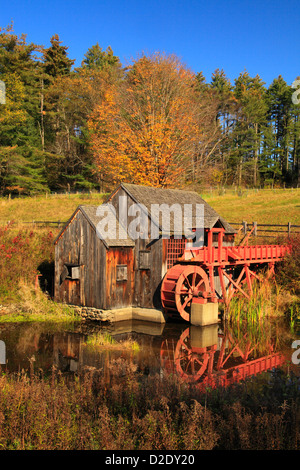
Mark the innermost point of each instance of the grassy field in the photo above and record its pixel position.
(278, 206)
(266, 206)
(56, 207)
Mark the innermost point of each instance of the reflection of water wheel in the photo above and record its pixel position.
(167, 356)
(190, 364)
(180, 285)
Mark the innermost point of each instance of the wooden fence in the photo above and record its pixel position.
(47, 223)
(263, 230)
(253, 228)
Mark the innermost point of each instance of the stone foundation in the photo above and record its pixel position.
(120, 314)
(204, 314)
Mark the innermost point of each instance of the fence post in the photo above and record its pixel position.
(255, 228)
(245, 227)
(289, 229)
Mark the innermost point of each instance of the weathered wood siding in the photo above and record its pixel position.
(146, 282)
(119, 293)
(80, 245)
(98, 286)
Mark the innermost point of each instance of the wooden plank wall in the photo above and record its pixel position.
(146, 281)
(80, 245)
(66, 251)
(119, 293)
(98, 286)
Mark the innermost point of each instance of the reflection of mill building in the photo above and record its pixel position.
(119, 272)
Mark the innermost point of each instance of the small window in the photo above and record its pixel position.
(121, 272)
(144, 260)
(75, 272)
(70, 271)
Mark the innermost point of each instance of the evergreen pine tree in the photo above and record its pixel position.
(20, 144)
(280, 105)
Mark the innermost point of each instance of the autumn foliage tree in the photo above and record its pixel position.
(148, 128)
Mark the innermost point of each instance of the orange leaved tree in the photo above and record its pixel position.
(148, 128)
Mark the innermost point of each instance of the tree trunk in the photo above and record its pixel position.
(42, 130)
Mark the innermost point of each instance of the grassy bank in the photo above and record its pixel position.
(138, 412)
(31, 304)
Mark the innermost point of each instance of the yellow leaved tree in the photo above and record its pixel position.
(148, 129)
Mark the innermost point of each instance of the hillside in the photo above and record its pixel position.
(278, 206)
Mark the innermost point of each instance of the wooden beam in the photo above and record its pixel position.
(223, 287)
(236, 285)
(237, 281)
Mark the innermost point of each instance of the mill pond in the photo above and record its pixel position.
(146, 386)
(217, 355)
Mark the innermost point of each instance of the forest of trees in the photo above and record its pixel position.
(154, 122)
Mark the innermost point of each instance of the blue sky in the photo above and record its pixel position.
(259, 36)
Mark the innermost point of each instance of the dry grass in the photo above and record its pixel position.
(56, 207)
(265, 206)
(104, 340)
(136, 412)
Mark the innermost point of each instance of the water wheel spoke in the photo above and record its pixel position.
(186, 360)
(188, 298)
(184, 290)
(189, 366)
(192, 367)
(184, 357)
(187, 280)
(199, 283)
(192, 359)
(198, 361)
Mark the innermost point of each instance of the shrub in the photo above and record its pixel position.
(22, 251)
(134, 411)
(289, 269)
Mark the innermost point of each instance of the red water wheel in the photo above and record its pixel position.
(180, 285)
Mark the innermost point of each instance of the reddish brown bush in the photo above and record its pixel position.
(289, 269)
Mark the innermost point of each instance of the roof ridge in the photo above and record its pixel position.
(160, 188)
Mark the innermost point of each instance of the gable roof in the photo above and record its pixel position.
(147, 195)
(94, 217)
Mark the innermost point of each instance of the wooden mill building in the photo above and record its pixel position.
(121, 271)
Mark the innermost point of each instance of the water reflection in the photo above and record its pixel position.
(207, 356)
(212, 356)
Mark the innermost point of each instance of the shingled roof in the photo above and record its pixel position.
(93, 216)
(147, 196)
